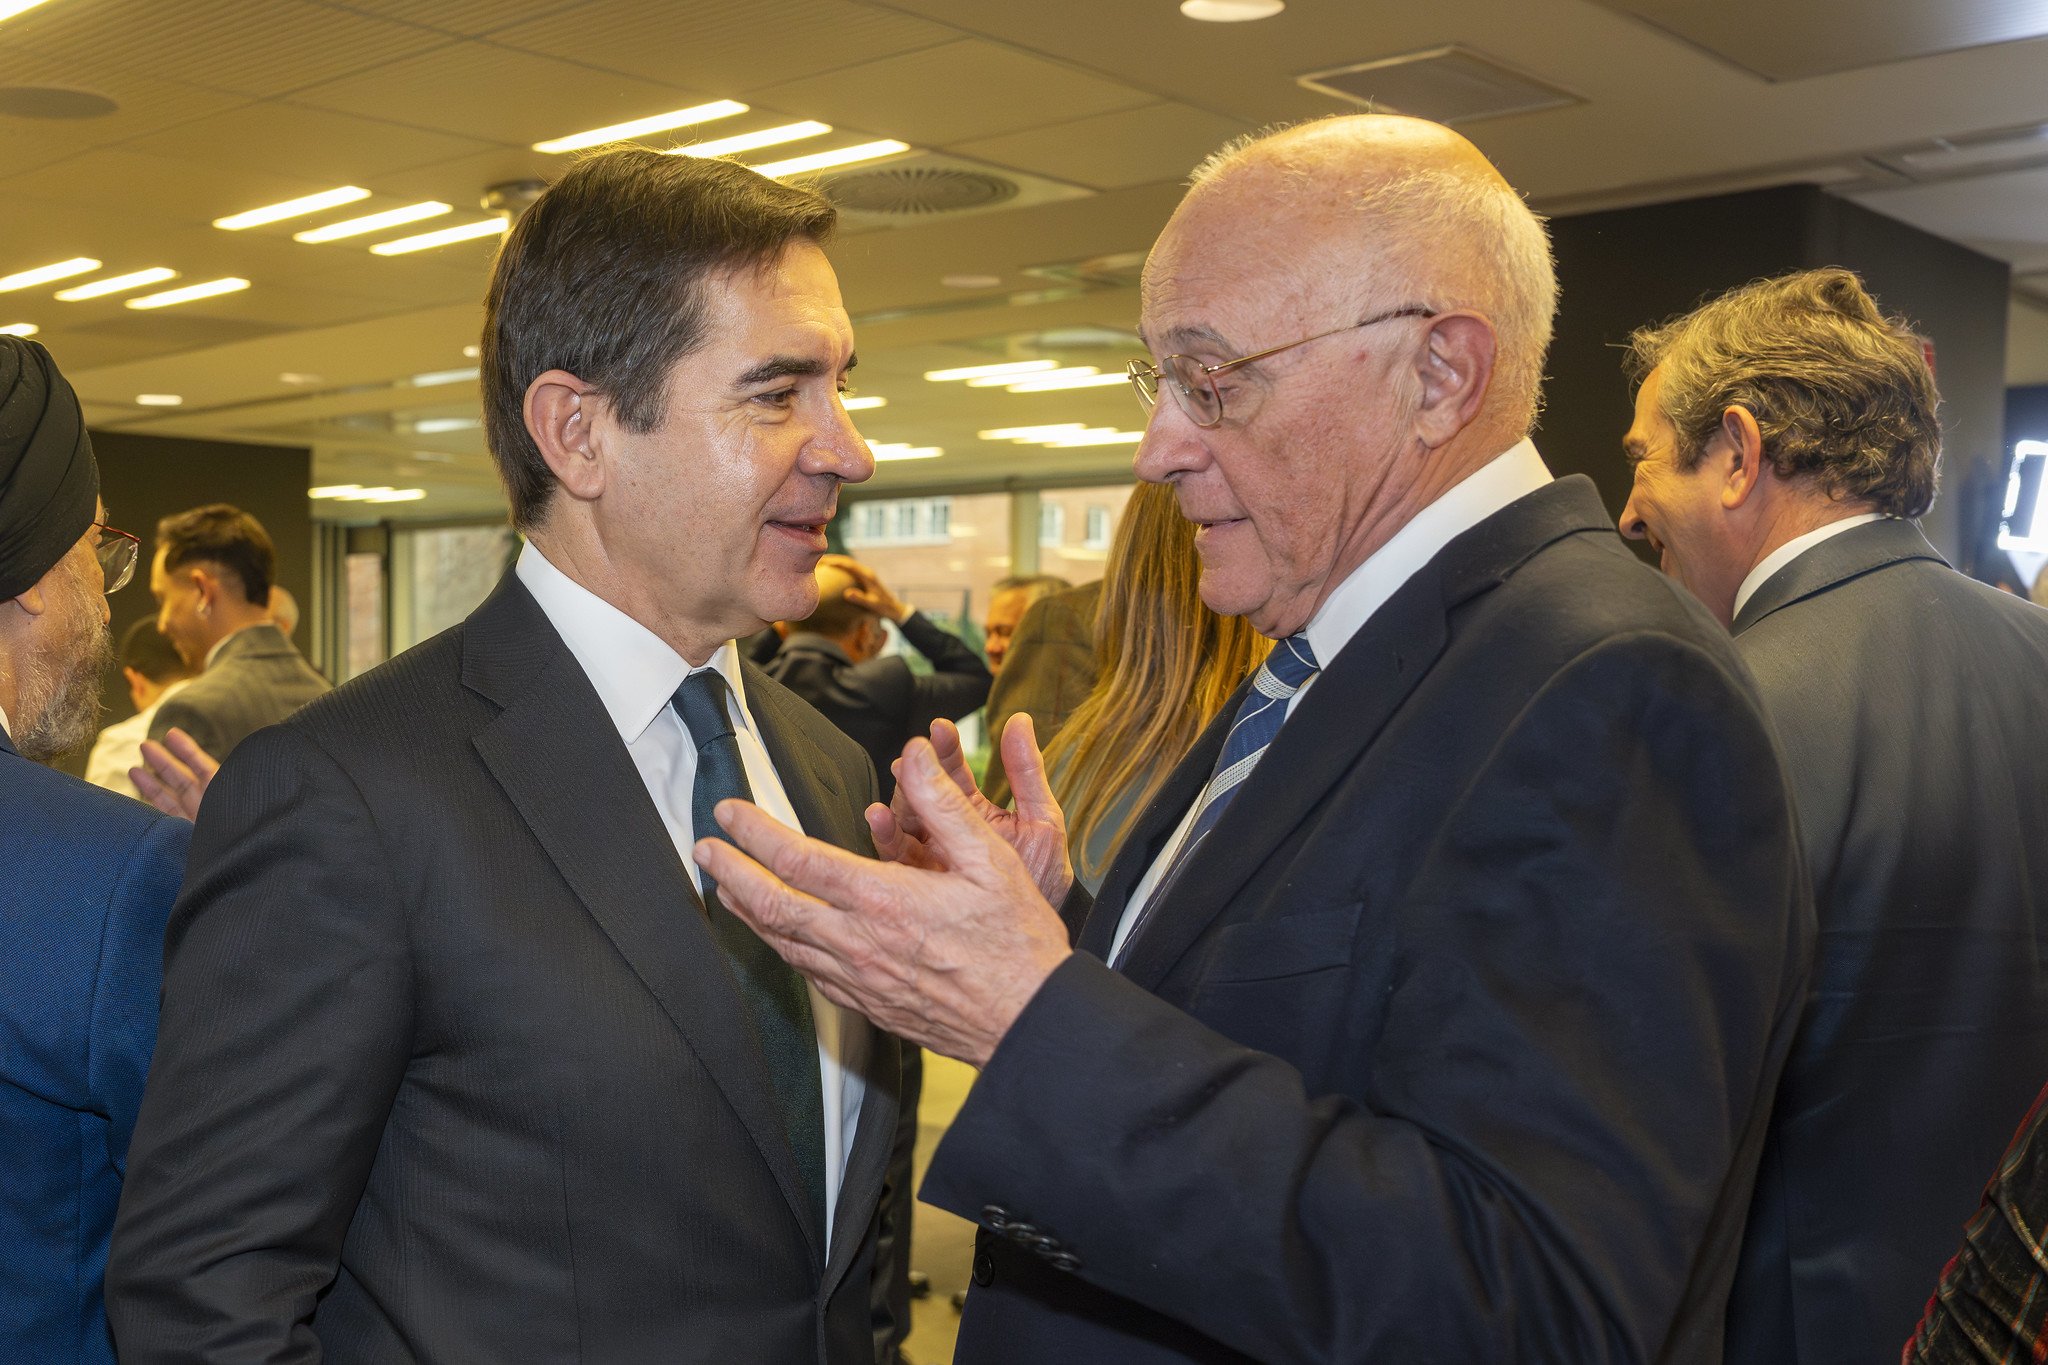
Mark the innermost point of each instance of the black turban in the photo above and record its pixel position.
(49, 484)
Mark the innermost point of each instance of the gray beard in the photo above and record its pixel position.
(60, 686)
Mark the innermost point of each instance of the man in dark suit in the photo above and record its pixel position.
(88, 880)
(1049, 670)
(460, 1059)
(1785, 434)
(833, 659)
(212, 581)
(1433, 1011)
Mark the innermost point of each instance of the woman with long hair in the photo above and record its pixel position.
(1165, 665)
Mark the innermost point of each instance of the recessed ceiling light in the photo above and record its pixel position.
(292, 208)
(1048, 384)
(472, 352)
(43, 274)
(10, 8)
(435, 425)
(373, 222)
(159, 400)
(640, 127)
(1231, 11)
(436, 378)
(466, 232)
(750, 142)
(990, 381)
(858, 404)
(840, 156)
(190, 292)
(115, 284)
(970, 281)
(1018, 367)
(19, 329)
(903, 450)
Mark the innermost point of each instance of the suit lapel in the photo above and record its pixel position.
(1337, 721)
(1853, 553)
(558, 758)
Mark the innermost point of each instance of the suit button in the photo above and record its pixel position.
(1021, 1233)
(984, 1269)
(995, 1217)
(1064, 1260)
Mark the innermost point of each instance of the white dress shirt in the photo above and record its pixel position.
(636, 675)
(1791, 550)
(119, 746)
(1506, 478)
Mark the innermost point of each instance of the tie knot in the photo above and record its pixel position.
(700, 701)
(1292, 663)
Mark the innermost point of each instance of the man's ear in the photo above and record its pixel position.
(1455, 367)
(559, 412)
(31, 600)
(1742, 443)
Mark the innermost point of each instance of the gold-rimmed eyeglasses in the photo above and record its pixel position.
(1194, 384)
(117, 552)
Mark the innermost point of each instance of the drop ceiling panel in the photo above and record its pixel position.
(1113, 151)
(249, 47)
(2000, 215)
(177, 193)
(309, 144)
(945, 95)
(470, 18)
(724, 46)
(496, 94)
(146, 106)
(1784, 42)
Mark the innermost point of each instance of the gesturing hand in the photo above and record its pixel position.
(944, 958)
(174, 774)
(1036, 829)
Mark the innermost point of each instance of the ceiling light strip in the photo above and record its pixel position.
(426, 241)
(1016, 367)
(207, 290)
(117, 284)
(374, 222)
(884, 451)
(750, 142)
(19, 329)
(990, 381)
(640, 127)
(44, 274)
(861, 404)
(292, 208)
(1047, 384)
(839, 156)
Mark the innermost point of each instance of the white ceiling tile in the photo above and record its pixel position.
(1113, 151)
(307, 144)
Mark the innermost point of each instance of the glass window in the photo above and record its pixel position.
(365, 612)
(1052, 523)
(441, 573)
(1097, 511)
(1097, 537)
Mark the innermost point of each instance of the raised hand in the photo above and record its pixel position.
(174, 774)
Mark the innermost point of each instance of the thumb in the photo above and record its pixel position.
(1029, 786)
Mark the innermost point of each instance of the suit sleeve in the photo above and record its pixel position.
(125, 989)
(189, 718)
(286, 1028)
(1573, 1046)
(1049, 669)
(959, 680)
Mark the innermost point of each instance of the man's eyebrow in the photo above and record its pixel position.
(1181, 338)
(1635, 448)
(782, 367)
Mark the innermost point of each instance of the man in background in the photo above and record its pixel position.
(284, 610)
(833, 659)
(154, 672)
(86, 881)
(1049, 671)
(1784, 438)
(1008, 601)
(211, 578)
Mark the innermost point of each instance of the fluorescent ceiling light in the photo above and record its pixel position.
(640, 127)
(188, 293)
(434, 425)
(859, 404)
(43, 274)
(1231, 11)
(489, 227)
(841, 156)
(19, 329)
(435, 378)
(334, 490)
(1047, 383)
(748, 142)
(903, 450)
(10, 8)
(395, 495)
(1096, 436)
(990, 381)
(1032, 433)
(292, 208)
(1017, 367)
(115, 284)
(159, 400)
(373, 222)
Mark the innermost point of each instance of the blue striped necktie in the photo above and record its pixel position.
(1286, 671)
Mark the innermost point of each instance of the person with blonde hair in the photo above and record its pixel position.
(1165, 666)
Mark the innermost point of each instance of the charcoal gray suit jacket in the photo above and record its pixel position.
(451, 1068)
(256, 679)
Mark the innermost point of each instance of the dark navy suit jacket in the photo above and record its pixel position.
(86, 881)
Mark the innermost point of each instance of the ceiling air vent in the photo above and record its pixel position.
(918, 189)
(1447, 84)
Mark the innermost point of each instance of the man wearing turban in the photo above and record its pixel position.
(86, 881)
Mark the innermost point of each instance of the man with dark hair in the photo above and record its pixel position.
(154, 672)
(87, 882)
(1784, 436)
(462, 1059)
(212, 578)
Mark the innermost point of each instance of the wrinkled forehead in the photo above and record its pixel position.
(1222, 267)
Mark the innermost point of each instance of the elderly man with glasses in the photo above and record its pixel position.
(1432, 1011)
(87, 883)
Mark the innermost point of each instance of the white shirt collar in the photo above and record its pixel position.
(633, 669)
(1791, 550)
(1509, 476)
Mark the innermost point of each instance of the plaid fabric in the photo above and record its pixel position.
(1991, 1307)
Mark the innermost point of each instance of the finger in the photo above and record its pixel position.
(952, 755)
(888, 834)
(1029, 785)
(171, 773)
(840, 879)
(188, 751)
(154, 791)
(950, 825)
(751, 891)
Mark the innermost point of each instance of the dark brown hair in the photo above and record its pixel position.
(227, 538)
(604, 277)
(1841, 393)
(149, 652)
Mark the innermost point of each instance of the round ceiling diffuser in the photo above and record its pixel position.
(50, 101)
(918, 189)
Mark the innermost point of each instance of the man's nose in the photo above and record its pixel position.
(1631, 524)
(1171, 444)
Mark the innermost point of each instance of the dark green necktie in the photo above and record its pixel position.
(775, 997)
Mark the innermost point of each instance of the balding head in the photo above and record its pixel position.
(838, 619)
